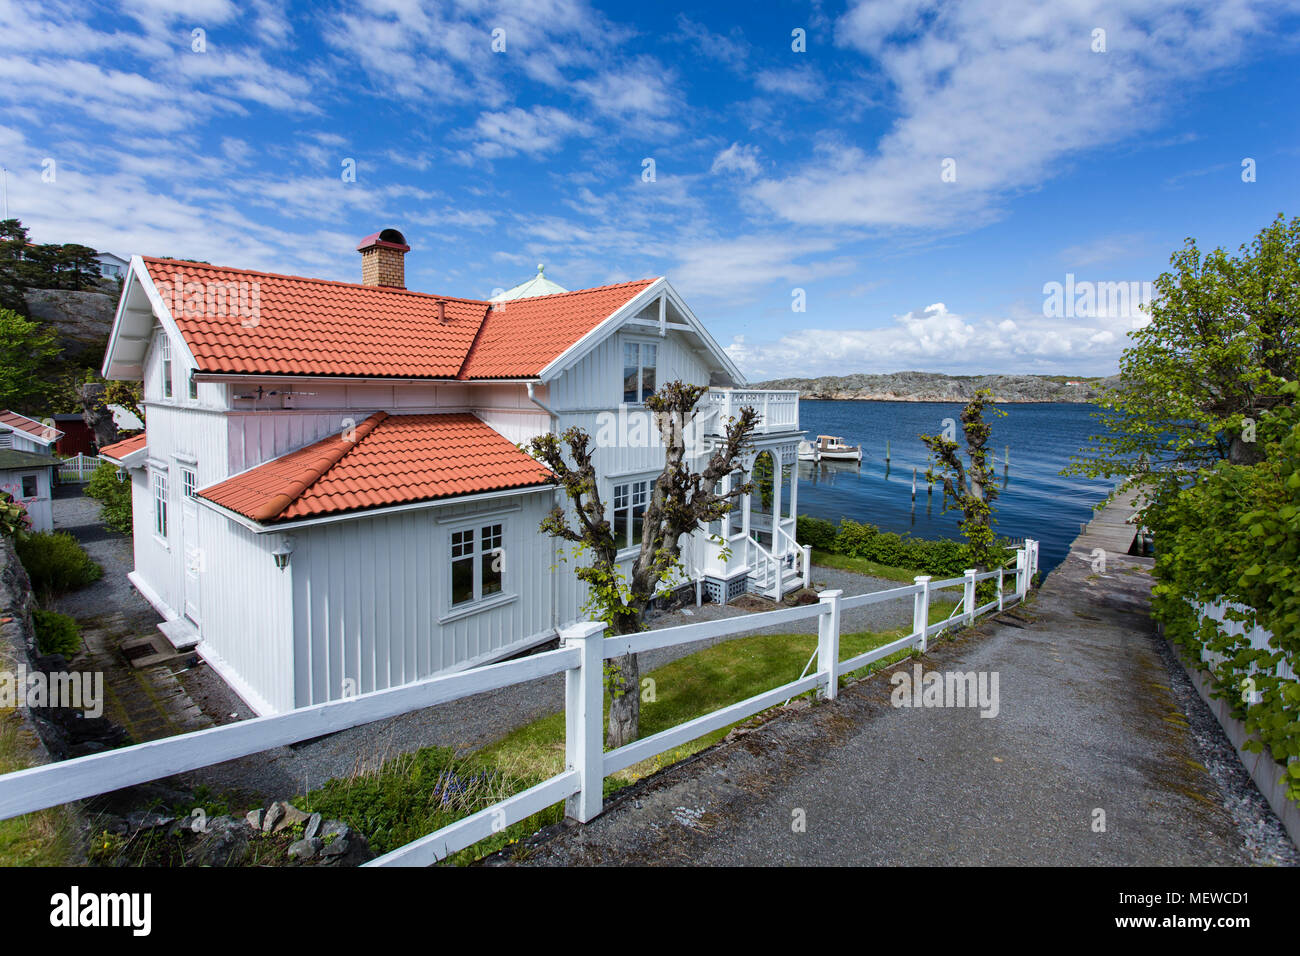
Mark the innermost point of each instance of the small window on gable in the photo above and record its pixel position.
(165, 352)
(639, 360)
(6, 439)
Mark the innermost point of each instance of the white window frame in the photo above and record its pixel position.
(36, 493)
(192, 387)
(160, 492)
(165, 360)
(630, 481)
(189, 482)
(640, 345)
(475, 527)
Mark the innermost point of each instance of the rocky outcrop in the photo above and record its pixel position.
(82, 319)
(935, 387)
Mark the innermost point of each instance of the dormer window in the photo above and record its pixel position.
(638, 371)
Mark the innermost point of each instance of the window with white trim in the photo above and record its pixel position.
(630, 501)
(188, 483)
(165, 353)
(639, 360)
(160, 504)
(29, 486)
(194, 388)
(477, 563)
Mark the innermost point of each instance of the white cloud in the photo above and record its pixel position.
(736, 159)
(935, 339)
(1007, 90)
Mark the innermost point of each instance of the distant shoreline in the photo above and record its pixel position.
(936, 387)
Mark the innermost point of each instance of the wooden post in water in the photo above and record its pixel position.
(913, 484)
(886, 449)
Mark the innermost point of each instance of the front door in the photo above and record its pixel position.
(190, 542)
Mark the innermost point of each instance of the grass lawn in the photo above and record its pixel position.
(418, 793)
(861, 565)
(44, 838)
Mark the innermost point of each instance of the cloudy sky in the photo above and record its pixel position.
(834, 187)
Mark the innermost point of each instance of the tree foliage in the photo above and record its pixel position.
(29, 351)
(972, 488)
(1223, 337)
(681, 499)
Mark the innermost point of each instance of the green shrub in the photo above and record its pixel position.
(114, 497)
(817, 532)
(56, 633)
(854, 538)
(56, 563)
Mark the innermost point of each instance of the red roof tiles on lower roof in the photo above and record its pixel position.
(119, 450)
(245, 322)
(387, 460)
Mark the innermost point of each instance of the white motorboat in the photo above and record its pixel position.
(832, 447)
(808, 451)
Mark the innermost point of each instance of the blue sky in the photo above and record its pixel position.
(775, 169)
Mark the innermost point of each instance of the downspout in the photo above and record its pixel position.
(555, 584)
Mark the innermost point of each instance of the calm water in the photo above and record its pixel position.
(1036, 501)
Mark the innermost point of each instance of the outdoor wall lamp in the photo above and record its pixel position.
(281, 554)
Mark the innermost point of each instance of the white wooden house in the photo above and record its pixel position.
(329, 498)
(27, 465)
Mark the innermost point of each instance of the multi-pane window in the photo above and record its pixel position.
(165, 351)
(160, 504)
(188, 483)
(477, 563)
(639, 371)
(29, 486)
(630, 500)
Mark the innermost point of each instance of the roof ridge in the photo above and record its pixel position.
(349, 285)
(327, 459)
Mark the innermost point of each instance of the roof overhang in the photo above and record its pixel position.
(138, 309)
(136, 459)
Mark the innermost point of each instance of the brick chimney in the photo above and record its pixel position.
(382, 259)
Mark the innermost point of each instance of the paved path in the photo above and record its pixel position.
(1095, 716)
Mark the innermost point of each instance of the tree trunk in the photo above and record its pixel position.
(624, 702)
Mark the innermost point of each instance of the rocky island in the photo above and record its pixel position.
(936, 387)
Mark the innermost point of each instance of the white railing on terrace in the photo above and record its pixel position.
(581, 658)
(778, 411)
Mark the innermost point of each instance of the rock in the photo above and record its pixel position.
(83, 319)
(291, 816)
(224, 843)
(254, 818)
(274, 814)
(313, 826)
(147, 820)
(306, 849)
(935, 387)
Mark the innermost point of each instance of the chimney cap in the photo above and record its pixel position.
(385, 238)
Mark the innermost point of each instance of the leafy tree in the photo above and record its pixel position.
(77, 265)
(113, 492)
(972, 489)
(1223, 337)
(29, 351)
(680, 501)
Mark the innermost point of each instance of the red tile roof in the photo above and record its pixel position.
(387, 460)
(22, 423)
(289, 325)
(127, 446)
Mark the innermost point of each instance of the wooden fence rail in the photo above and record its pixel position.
(581, 657)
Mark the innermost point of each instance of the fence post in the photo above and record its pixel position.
(584, 723)
(968, 596)
(921, 610)
(828, 643)
(1000, 569)
(1022, 562)
(1033, 562)
(807, 565)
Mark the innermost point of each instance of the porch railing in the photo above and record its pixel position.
(778, 411)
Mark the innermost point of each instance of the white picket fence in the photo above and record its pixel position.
(581, 656)
(79, 468)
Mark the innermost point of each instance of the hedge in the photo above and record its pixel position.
(940, 559)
